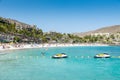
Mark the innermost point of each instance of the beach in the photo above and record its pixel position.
(7, 46)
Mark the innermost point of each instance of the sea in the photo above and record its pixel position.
(37, 64)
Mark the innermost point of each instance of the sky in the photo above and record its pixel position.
(65, 16)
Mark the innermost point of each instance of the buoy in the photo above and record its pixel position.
(37, 57)
(23, 56)
(16, 57)
(82, 56)
(88, 56)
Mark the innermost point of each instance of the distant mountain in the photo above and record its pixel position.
(110, 29)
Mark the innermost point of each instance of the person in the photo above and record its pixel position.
(43, 53)
(3, 46)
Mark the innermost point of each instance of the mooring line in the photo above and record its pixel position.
(37, 57)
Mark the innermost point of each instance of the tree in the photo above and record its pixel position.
(17, 39)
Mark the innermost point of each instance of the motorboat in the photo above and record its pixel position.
(60, 55)
(102, 55)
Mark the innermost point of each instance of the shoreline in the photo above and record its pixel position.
(6, 47)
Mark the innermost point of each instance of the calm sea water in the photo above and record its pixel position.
(29, 64)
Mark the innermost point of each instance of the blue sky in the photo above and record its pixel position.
(63, 15)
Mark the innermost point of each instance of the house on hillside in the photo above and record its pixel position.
(101, 34)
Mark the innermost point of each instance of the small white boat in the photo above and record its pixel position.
(60, 55)
(102, 55)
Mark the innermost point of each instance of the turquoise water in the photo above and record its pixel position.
(29, 64)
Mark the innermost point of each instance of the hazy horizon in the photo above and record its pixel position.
(66, 16)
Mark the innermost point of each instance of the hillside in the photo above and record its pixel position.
(13, 30)
(19, 32)
(18, 24)
(110, 29)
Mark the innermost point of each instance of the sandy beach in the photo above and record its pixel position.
(4, 47)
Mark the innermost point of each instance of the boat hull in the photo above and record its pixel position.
(59, 57)
(101, 57)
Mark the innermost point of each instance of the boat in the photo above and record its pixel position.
(102, 55)
(60, 55)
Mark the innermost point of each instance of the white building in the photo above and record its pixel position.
(101, 34)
